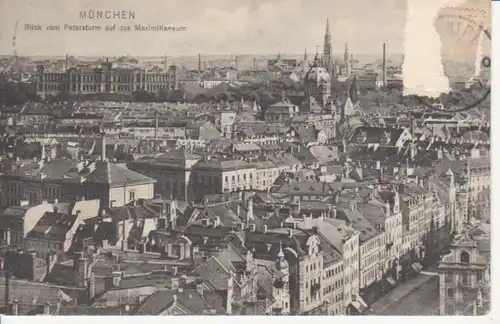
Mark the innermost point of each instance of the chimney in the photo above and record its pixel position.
(42, 156)
(162, 222)
(103, 146)
(46, 309)
(7, 236)
(80, 265)
(250, 210)
(173, 213)
(15, 307)
(264, 229)
(384, 67)
(91, 286)
(229, 300)
(156, 123)
(199, 286)
(124, 235)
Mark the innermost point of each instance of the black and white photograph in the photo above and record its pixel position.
(245, 157)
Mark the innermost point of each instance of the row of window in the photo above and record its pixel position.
(350, 277)
(334, 286)
(51, 87)
(312, 267)
(335, 271)
(370, 259)
(353, 259)
(370, 275)
(53, 77)
(237, 177)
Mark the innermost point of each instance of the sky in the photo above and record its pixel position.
(238, 27)
(212, 27)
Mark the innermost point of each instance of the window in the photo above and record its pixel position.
(464, 257)
(450, 292)
(131, 195)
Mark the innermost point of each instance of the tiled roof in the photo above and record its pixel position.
(188, 299)
(324, 154)
(360, 223)
(113, 175)
(312, 188)
(30, 293)
(373, 212)
(376, 135)
(223, 165)
(67, 170)
(53, 226)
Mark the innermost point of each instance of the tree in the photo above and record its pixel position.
(142, 96)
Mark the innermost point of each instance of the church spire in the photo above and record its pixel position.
(346, 59)
(327, 47)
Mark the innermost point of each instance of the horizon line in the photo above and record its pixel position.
(233, 55)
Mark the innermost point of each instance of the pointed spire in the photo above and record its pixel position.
(327, 26)
(280, 253)
(305, 53)
(346, 48)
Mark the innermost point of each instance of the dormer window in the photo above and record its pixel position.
(464, 257)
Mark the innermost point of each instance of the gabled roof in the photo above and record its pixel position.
(189, 300)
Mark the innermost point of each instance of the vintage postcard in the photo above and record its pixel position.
(245, 157)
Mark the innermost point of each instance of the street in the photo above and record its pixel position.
(417, 296)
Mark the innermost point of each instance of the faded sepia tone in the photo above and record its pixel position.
(250, 157)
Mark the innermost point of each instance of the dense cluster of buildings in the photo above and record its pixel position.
(310, 207)
(316, 211)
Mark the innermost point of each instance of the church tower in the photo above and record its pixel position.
(327, 47)
(354, 91)
(318, 83)
(346, 60)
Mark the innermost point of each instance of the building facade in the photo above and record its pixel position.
(105, 79)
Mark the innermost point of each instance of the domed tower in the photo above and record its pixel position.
(281, 263)
(281, 289)
(318, 82)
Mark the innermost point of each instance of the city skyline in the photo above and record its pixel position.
(256, 27)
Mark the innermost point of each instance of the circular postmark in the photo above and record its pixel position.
(486, 62)
(466, 97)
